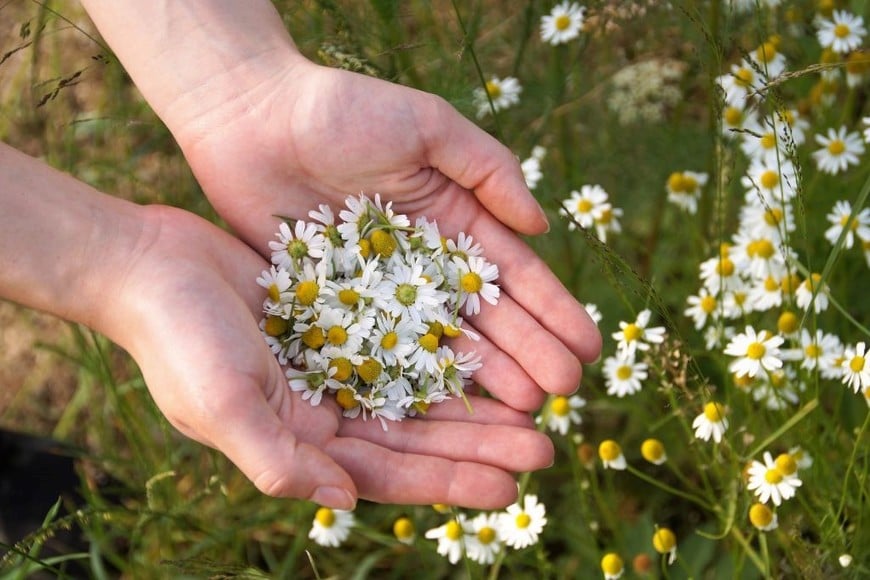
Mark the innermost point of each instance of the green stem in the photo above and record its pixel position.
(792, 421)
(672, 490)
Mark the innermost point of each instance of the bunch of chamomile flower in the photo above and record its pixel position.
(359, 309)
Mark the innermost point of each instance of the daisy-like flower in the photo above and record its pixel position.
(812, 291)
(593, 312)
(293, 246)
(562, 412)
(611, 455)
(840, 149)
(771, 480)
(734, 119)
(757, 256)
(634, 336)
(623, 375)
(843, 33)
(612, 566)
(866, 122)
(331, 527)
(768, 59)
(754, 352)
(563, 23)
(711, 423)
(821, 351)
(653, 451)
(762, 517)
(684, 189)
(411, 293)
(740, 85)
(771, 221)
(404, 531)
(761, 139)
(503, 93)
(475, 277)
(531, 168)
(276, 282)
(520, 525)
(770, 182)
(719, 272)
(451, 538)
(766, 294)
(856, 367)
(608, 222)
(840, 217)
(665, 543)
(482, 542)
(584, 206)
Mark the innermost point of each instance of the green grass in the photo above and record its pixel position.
(176, 509)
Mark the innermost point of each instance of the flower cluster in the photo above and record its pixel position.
(361, 308)
(646, 91)
(590, 208)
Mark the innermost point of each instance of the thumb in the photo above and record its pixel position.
(475, 160)
(278, 463)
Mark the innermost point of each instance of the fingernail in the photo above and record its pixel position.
(334, 497)
(544, 217)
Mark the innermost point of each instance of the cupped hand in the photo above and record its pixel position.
(190, 310)
(306, 135)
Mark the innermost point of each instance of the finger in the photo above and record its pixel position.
(506, 447)
(484, 411)
(386, 476)
(469, 156)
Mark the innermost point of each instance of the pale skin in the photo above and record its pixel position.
(269, 133)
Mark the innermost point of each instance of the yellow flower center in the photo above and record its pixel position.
(345, 399)
(766, 52)
(365, 248)
(755, 350)
(760, 515)
(609, 450)
(348, 297)
(836, 147)
(725, 267)
(733, 116)
(853, 225)
(276, 326)
(421, 407)
(471, 282)
(708, 304)
(652, 450)
(325, 517)
(611, 564)
(486, 535)
(313, 337)
(624, 372)
(451, 331)
(494, 89)
(523, 520)
(343, 368)
(274, 293)
(813, 350)
(406, 294)
(768, 141)
(436, 328)
(632, 332)
(306, 292)
(562, 22)
(743, 77)
(675, 182)
(714, 412)
(664, 540)
(842, 30)
(788, 322)
(605, 218)
(584, 206)
(773, 476)
(773, 216)
(297, 249)
(786, 464)
(769, 179)
(560, 406)
(857, 364)
(771, 284)
(383, 243)
(429, 342)
(389, 340)
(336, 335)
(790, 283)
(403, 529)
(369, 370)
(453, 531)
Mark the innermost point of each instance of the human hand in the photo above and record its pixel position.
(186, 308)
(312, 135)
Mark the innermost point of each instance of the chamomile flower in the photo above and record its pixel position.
(712, 422)
(623, 375)
(404, 531)
(502, 93)
(840, 217)
(754, 352)
(294, 245)
(840, 149)
(684, 189)
(820, 351)
(842, 33)
(770, 182)
(762, 517)
(653, 451)
(771, 480)
(611, 455)
(608, 222)
(276, 282)
(768, 59)
(812, 292)
(761, 139)
(856, 367)
(665, 543)
(531, 168)
(331, 527)
(740, 85)
(482, 542)
(411, 293)
(562, 412)
(612, 566)
(719, 273)
(593, 312)
(451, 538)
(637, 335)
(474, 277)
(584, 206)
(520, 524)
(563, 23)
